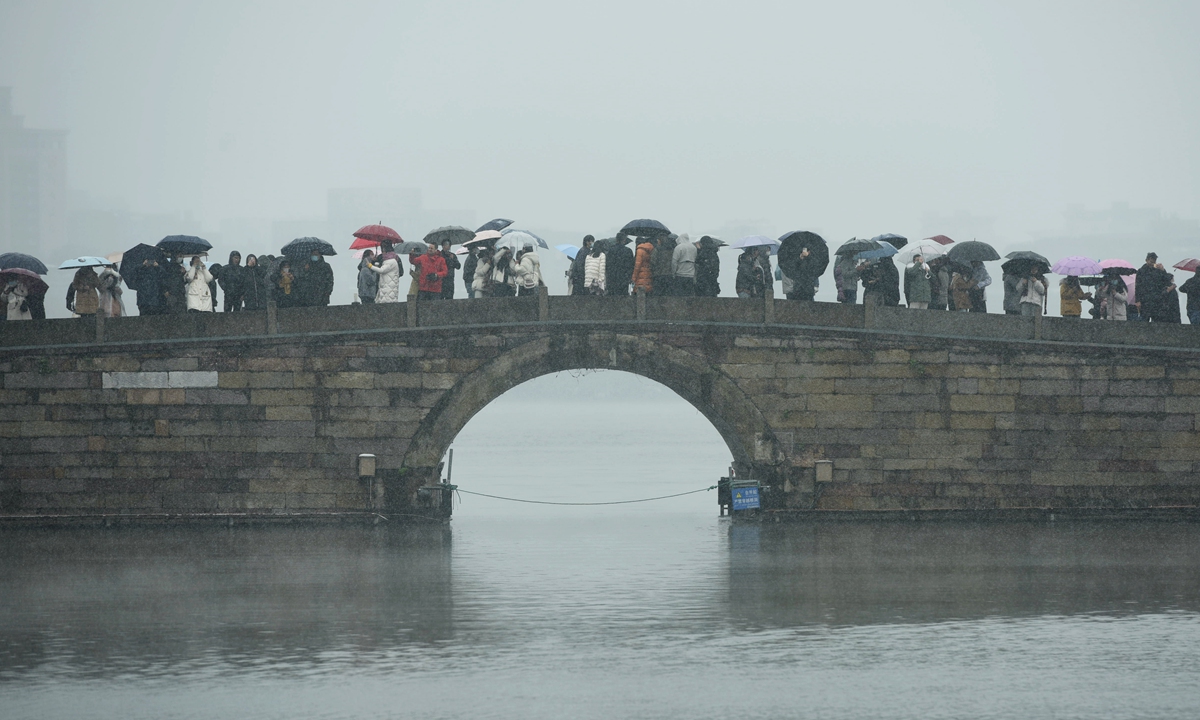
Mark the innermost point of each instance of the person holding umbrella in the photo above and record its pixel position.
(618, 266)
(1070, 297)
(83, 298)
(15, 298)
(708, 267)
(452, 264)
(751, 280)
(918, 291)
(1191, 288)
(643, 277)
(980, 279)
(388, 266)
(368, 280)
(1032, 291)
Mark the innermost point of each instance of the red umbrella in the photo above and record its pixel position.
(28, 278)
(1189, 264)
(940, 239)
(372, 235)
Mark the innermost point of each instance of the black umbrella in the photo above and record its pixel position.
(1022, 266)
(132, 259)
(793, 244)
(177, 245)
(897, 241)
(854, 246)
(645, 228)
(308, 246)
(498, 224)
(1119, 271)
(456, 234)
(968, 252)
(1028, 255)
(23, 261)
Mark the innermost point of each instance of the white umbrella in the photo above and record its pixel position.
(85, 261)
(926, 248)
(756, 241)
(517, 239)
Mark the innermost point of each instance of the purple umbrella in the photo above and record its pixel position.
(1076, 265)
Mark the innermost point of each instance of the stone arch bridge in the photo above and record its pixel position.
(250, 414)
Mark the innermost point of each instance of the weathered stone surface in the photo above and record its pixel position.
(910, 421)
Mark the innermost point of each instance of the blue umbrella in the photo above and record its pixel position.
(84, 261)
(898, 241)
(645, 228)
(569, 250)
(885, 249)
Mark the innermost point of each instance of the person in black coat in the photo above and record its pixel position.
(174, 287)
(452, 264)
(468, 271)
(1191, 288)
(151, 277)
(708, 268)
(254, 285)
(576, 273)
(1150, 287)
(891, 282)
(618, 267)
(314, 282)
(232, 278)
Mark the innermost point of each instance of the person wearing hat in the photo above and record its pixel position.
(1151, 286)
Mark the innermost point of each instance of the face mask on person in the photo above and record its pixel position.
(315, 258)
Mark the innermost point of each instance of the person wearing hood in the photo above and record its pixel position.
(643, 277)
(805, 279)
(1168, 304)
(708, 267)
(199, 295)
(15, 297)
(82, 295)
(389, 268)
(1070, 297)
(368, 279)
(939, 284)
(577, 274)
(683, 266)
(452, 264)
(594, 270)
(150, 278)
(232, 279)
(254, 276)
(108, 284)
(1150, 286)
(618, 266)
(662, 274)
(314, 282)
(918, 291)
(752, 274)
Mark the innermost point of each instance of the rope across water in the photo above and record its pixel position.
(616, 502)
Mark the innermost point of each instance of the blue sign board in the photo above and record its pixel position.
(745, 498)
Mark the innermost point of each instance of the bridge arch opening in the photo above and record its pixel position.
(685, 372)
(588, 436)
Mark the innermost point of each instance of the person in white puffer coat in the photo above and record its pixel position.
(481, 284)
(528, 271)
(389, 270)
(199, 295)
(593, 271)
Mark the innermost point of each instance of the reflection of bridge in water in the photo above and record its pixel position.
(916, 410)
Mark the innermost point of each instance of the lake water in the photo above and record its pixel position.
(654, 610)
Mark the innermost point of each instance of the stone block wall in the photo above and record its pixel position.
(917, 416)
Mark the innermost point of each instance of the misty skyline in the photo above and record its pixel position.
(848, 120)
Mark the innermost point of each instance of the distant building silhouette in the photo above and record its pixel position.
(33, 184)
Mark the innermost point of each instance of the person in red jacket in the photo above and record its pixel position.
(429, 268)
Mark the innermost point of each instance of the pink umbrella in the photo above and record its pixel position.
(940, 239)
(1188, 264)
(1076, 265)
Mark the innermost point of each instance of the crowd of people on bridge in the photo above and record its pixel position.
(645, 258)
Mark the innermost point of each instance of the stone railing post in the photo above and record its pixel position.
(641, 303)
(1037, 327)
(410, 308)
(272, 317)
(543, 303)
(868, 312)
(99, 327)
(769, 306)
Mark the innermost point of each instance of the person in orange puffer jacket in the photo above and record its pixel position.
(641, 266)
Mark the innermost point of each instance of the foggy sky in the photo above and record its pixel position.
(850, 119)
